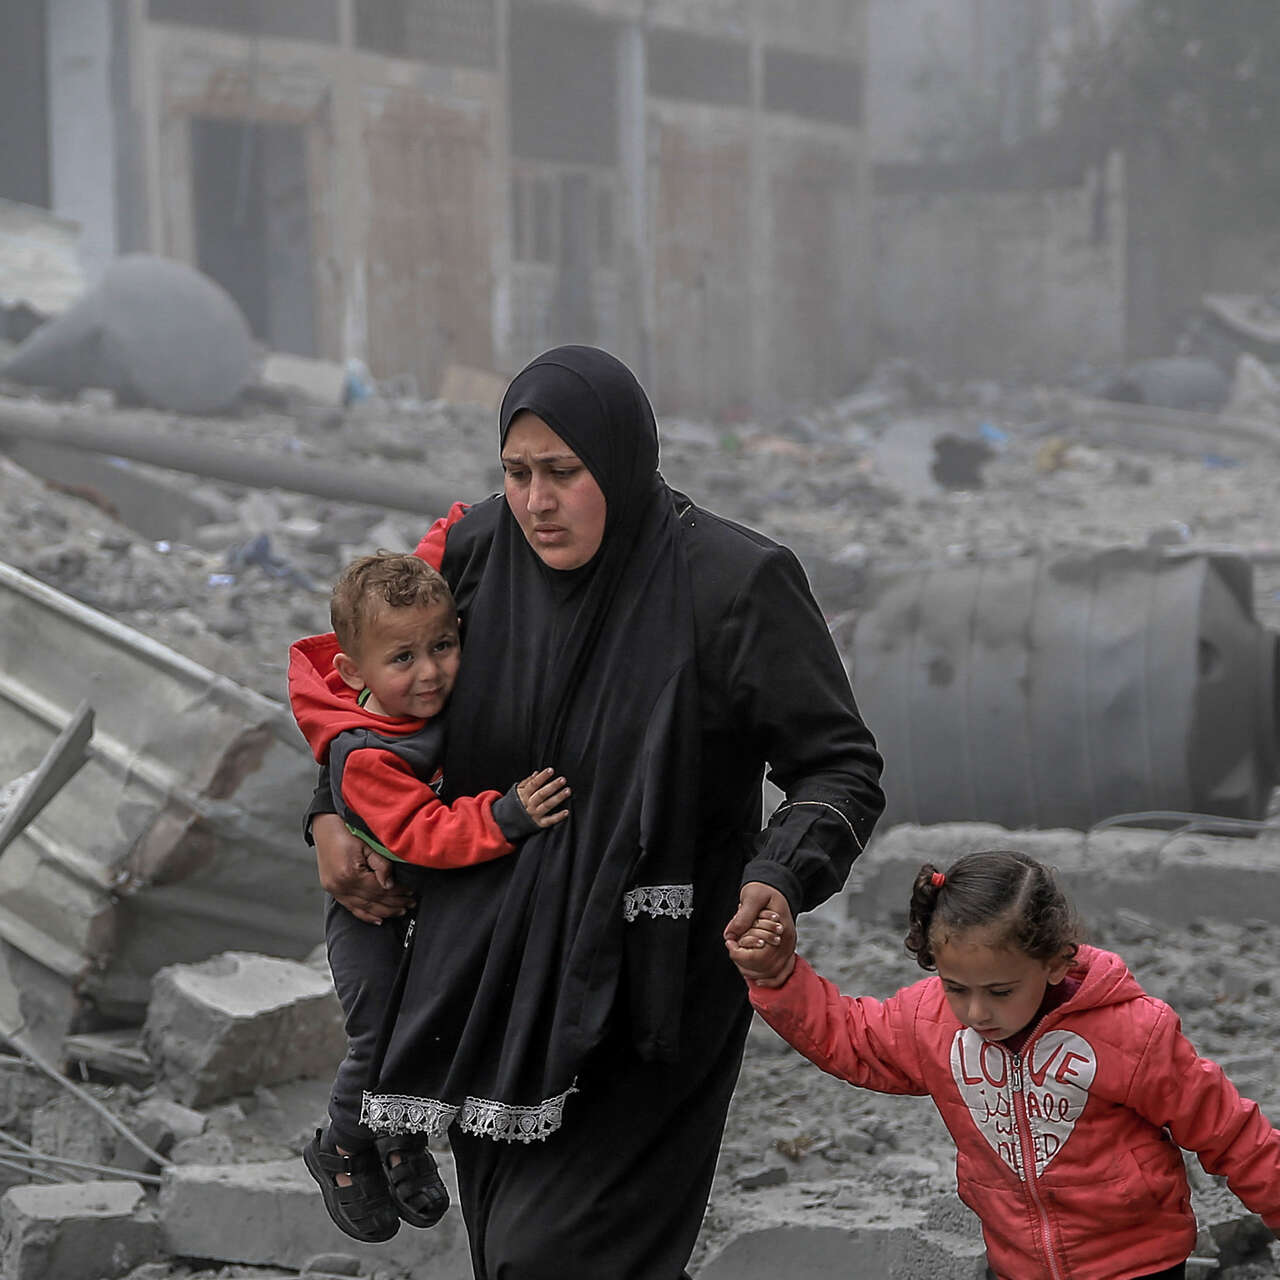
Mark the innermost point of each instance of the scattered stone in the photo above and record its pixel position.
(773, 1175)
(332, 1264)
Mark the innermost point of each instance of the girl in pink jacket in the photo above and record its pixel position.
(1067, 1089)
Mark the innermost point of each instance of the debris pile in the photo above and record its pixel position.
(228, 1080)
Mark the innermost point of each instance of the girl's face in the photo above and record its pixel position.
(554, 497)
(990, 987)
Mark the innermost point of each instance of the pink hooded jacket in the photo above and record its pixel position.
(1068, 1152)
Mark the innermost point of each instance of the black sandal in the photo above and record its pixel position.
(364, 1210)
(416, 1189)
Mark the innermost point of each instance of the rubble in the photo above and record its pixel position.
(812, 1172)
(237, 1021)
(72, 1231)
(152, 331)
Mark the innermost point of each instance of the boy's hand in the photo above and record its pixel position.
(540, 793)
(754, 953)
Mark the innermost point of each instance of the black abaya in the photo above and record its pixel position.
(578, 993)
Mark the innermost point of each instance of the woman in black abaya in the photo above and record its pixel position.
(568, 1012)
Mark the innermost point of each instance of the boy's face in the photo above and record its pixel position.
(408, 660)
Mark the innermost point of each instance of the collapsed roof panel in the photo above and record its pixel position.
(179, 837)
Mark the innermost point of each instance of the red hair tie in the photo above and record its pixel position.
(938, 879)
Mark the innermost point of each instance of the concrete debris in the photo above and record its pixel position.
(183, 789)
(74, 1231)
(280, 1221)
(848, 487)
(320, 381)
(153, 331)
(238, 1021)
(40, 274)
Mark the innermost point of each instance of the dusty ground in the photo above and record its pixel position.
(846, 491)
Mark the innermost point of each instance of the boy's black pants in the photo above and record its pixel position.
(364, 960)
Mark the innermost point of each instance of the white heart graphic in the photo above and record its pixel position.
(1056, 1076)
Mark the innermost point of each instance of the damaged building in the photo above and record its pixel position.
(419, 183)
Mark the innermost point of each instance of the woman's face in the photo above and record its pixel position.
(554, 497)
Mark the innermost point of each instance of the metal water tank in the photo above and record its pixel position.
(1046, 691)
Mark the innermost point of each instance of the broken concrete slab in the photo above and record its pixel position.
(154, 331)
(240, 1021)
(1176, 880)
(76, 1230)
(863, 1235)
(281, 1221)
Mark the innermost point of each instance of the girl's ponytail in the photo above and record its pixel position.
(929, 885)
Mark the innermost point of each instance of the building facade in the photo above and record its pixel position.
(421, 183)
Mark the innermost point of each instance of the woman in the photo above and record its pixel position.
(570, 1011)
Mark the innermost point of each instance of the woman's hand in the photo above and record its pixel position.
(761, 937)
(360, 879)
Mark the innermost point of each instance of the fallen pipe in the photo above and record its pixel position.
(393, 490)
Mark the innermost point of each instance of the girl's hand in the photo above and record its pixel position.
(763, 916)
(753, 952)
(540, 793)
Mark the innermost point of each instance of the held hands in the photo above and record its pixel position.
(540, 793)
(761, 937)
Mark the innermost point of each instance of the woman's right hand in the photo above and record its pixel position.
(360, 879)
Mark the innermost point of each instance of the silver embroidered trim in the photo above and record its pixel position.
(484, 1117)
(658, 900)
(791, 804)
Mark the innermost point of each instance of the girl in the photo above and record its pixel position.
(1067, 1089)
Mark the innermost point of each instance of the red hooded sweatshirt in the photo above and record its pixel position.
(1068, 1152)
(383, 768)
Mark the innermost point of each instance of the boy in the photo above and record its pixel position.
(368, 698)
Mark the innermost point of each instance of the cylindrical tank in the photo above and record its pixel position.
(1057, 691)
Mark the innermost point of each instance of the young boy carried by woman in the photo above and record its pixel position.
(1070, 1093)
(370, 698)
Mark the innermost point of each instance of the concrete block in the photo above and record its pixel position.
(280, 1220)
(76, 1231)
(168, 1121)
(238, 1021)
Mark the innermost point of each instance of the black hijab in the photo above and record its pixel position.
(520, 966)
